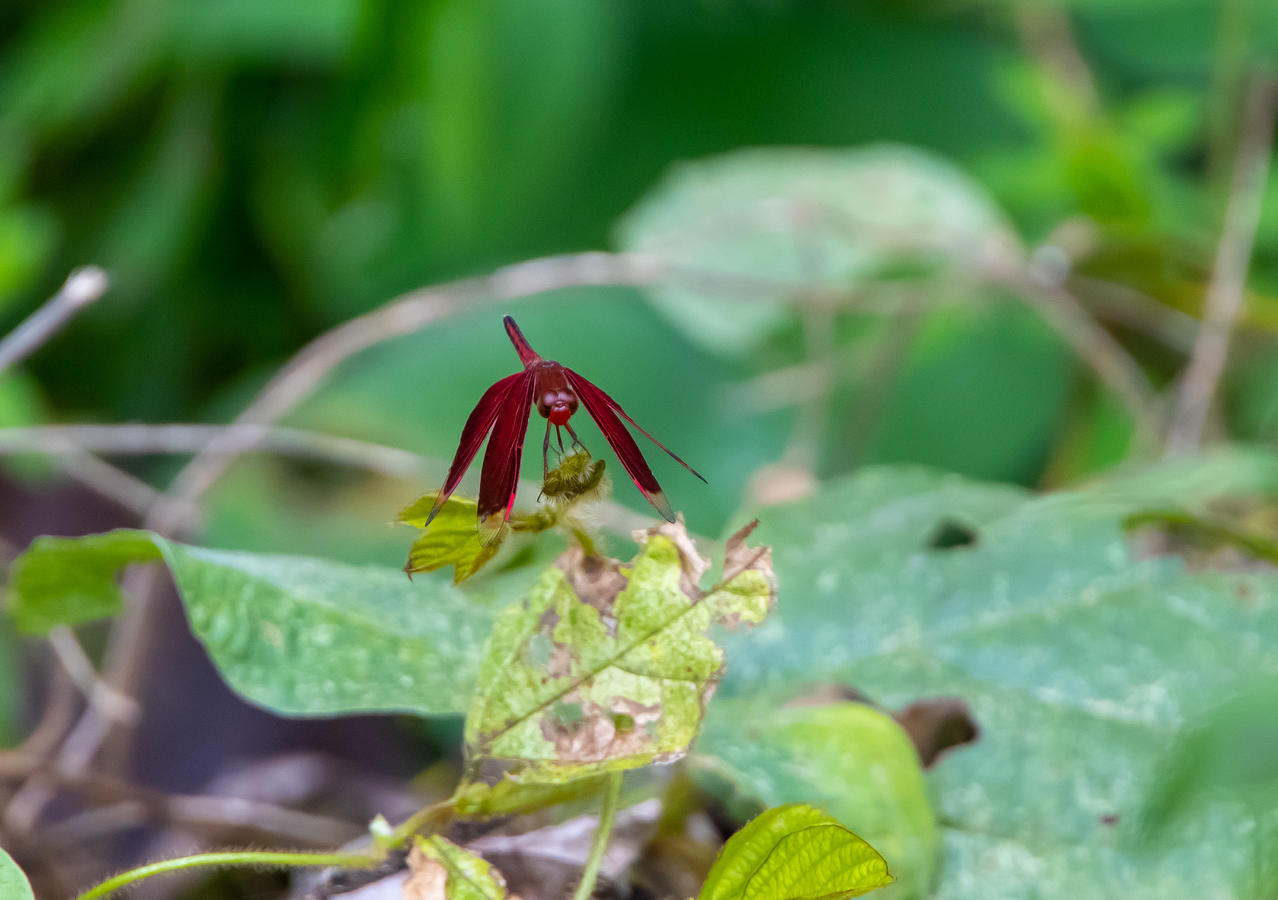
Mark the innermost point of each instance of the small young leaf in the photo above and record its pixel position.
(795, 852)
(440, 870)
(299, 636)
(606, 666)
(13, 884)
(451, 540)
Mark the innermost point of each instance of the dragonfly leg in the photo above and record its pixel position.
(576, 442)
(560, 436)
(545, 449)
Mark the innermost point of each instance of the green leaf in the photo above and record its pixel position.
(794, 852)
(1079, 660)
(847, 758)
(607, 666)
(13, 884)
(297, 635)
(817, 217)
(452, 539)
(67, 581)
(440, 870)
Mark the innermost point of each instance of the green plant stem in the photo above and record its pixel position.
(612, 794)
(433, 817)
(268, 860)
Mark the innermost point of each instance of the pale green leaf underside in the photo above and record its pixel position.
(794, 852)
(1079, 661)
(297, 635)
(832, 218)
(569, 689)
(13, 884)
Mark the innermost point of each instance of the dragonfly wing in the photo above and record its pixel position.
(476, 429)
(500, 475)
(621, 412)
(604, 410)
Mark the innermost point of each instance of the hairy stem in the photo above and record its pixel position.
(265, 860)
(612, 794)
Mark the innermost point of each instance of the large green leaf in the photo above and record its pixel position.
(794, 852)
(297, 635)
(1079, 660)
(833, 218)
(606, 666)
(851, 760)
(13, 884)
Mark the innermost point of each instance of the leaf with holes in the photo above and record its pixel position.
(607, 666)
(1079, 660)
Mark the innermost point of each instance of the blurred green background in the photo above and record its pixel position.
(252, 173)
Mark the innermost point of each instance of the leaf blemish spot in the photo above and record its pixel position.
(950, 534)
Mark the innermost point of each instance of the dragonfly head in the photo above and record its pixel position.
(557, 405)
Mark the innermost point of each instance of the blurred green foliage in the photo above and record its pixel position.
(252, 173)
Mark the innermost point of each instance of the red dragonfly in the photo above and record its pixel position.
(503, 410)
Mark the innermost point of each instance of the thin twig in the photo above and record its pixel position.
(133, 804)
(820, 343)
(137, 439)
(111, 482)
(1048, 37)
(113, 705)
(1127, 306)
(1096, 346)
(82, 287)
(1223, 301)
